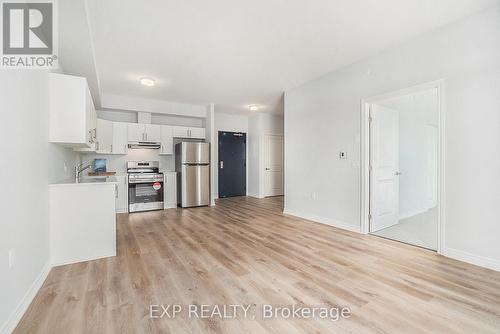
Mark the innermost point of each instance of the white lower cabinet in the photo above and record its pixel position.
(122, 194)
(170, 190)
(82, 222)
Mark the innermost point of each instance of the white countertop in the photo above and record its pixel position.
(87, 180)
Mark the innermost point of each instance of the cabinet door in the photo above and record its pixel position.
(91, 119)
(122, 198)
(153, 132)
(104, 136)
(181, 132)
(167, 140)
(73, 117)
(135, 132)
(119, 138)
(170, 190)
(198, 133)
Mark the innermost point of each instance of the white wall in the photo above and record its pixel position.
(322, 117)
(230, 123)
(260, 124)
(29, 163)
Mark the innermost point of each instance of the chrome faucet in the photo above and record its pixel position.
(80, 168)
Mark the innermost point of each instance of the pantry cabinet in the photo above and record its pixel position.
(167, 140)
(170, 190)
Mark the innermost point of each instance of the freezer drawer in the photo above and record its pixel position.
(195, 185)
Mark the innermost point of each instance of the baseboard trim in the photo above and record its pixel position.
(14, 318)
(78, 260)
(323, 220)
(254, 195)
(477, 260)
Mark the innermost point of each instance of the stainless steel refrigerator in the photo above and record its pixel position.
(192, 163)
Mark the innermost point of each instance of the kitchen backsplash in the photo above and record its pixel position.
(118, 163)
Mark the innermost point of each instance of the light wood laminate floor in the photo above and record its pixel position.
(245, 251)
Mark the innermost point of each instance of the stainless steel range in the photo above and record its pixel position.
(145, 186)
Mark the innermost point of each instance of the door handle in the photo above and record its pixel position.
(397, 173)
(222, 165)
(268, 168)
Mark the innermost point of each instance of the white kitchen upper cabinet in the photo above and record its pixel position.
(119, 138)
(152, 132)
(135, 132)
(73, 119)
(167, 140)
(198, 133)
(144, 132)
(181, 132)
(189, 132)
(104, 136)
(170, 190)
(122, 194)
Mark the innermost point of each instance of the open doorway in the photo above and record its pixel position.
(403, 164)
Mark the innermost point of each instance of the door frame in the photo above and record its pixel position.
(365, 154)
(262, 164)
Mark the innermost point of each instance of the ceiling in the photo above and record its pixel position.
(237, 52)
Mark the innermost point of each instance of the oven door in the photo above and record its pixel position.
(145, 196)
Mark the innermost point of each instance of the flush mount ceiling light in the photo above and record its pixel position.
(253, 107)
(147, 82)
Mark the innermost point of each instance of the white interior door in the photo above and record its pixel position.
(384, 162)
(273, 164)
